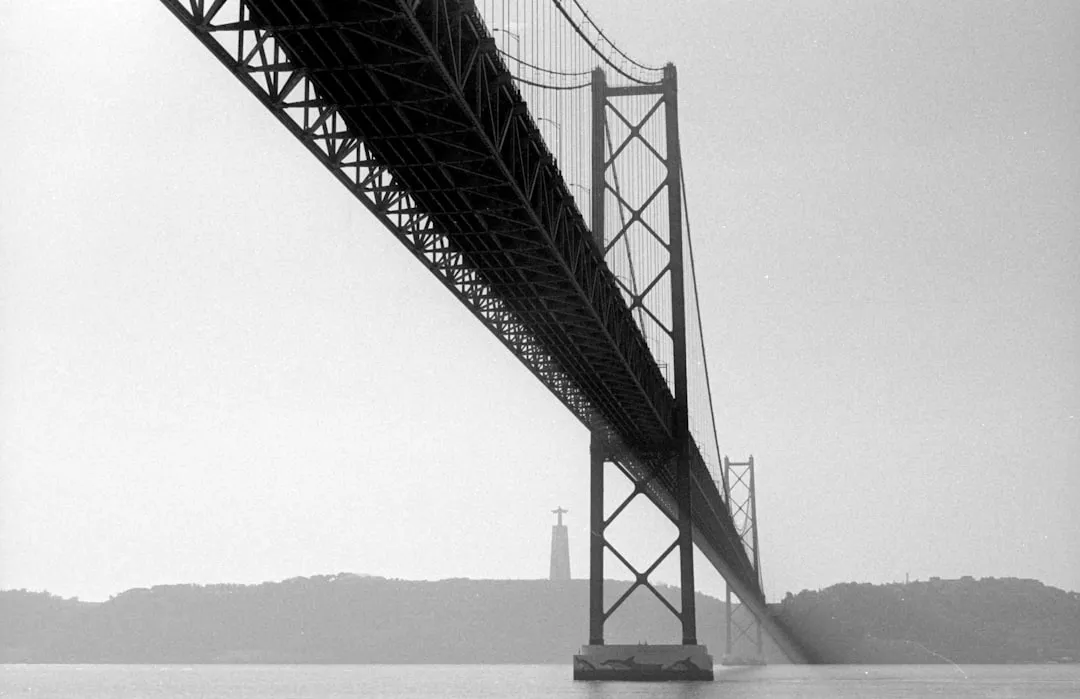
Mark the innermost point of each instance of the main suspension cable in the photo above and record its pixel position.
(609, 41)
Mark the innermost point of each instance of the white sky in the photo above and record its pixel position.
(216, 366)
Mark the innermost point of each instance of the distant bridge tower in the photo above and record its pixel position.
(560, 548)
(744, 640)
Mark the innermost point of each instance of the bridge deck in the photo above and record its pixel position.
(432, 102)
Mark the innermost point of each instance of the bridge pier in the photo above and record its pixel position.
(639, 662)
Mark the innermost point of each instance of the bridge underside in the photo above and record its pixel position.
(411, 107)
(432, 101)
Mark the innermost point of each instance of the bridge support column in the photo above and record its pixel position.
(678, 326)
(645, 662)
(596, 541)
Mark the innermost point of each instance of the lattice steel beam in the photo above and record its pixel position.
(443, 152)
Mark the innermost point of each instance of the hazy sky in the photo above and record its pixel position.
(216, 366)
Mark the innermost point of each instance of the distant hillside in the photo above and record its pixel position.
(358, 619)
(337, 619)
(1005, 620)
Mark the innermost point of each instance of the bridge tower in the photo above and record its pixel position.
(743, 629)
(635, 122)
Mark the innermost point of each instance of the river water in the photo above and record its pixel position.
(525, 682)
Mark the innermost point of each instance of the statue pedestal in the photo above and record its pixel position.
(644, 663)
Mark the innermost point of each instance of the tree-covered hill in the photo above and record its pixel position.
(359, 619)
(993, 620)
(338, 619)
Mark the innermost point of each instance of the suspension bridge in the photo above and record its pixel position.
(534, 168)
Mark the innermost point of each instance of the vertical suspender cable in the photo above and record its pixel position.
(697, 309)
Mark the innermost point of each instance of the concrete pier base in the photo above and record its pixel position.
(644, 663)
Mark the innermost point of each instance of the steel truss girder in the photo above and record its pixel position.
(440, 190)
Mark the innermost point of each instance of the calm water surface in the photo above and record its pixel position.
(525, 681)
